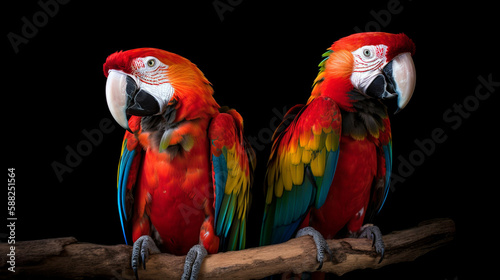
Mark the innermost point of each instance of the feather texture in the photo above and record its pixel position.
(130, 160)
(185, 173)
(331, 176)
(231, 170)
(309, 144)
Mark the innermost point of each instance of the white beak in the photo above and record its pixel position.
(404, 74)
(116, 88)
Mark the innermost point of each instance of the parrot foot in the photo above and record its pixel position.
(143, 246)
(372, 232)
(321, 245)
(193, 262)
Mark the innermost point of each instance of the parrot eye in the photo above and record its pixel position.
(151, 62)
(367, 52)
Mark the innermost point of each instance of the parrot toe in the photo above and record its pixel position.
(321, 245)
(193, 262)
(372, 232)
(143, 246)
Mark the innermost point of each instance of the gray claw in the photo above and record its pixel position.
(321, 245)
(193, 262)
(143, 246)
(373, 233)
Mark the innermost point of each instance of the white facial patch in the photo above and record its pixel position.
(368, 63)
(162, 92)
(151, 75)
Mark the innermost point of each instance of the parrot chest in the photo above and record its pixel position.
(349, 193)
(177, 193)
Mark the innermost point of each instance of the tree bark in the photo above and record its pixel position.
(68, 258)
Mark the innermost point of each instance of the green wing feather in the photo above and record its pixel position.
(232, 167)
(301, 167)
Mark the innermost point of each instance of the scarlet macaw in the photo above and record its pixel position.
(185, 170)
(331, 159)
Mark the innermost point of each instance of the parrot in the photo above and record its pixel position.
(185, 169)
(331, 159)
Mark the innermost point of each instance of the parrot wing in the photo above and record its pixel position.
(128, 169)
(301, 167)
(233, 162)
(382, 182)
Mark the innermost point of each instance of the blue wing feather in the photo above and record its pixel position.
(229, 215)
(284, 214)
(232, 178)
(283, 230)
(123, 172)
(292, 207)
(220, 176)
(388, 170)
(331, 166)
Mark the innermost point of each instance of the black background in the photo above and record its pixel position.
(261, 58)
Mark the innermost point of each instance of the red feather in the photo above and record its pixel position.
(397, 43)
(172, 189)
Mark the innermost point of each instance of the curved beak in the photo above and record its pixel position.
(401, 78)
(124, 96)
(117, 97)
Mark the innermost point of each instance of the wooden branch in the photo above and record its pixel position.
(68, 258)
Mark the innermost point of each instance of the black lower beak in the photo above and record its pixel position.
(140, 102)
(143, 104)
(383, 86)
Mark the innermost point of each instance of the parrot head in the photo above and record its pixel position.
(375, 64)
(144, 82)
